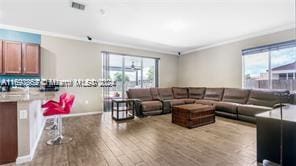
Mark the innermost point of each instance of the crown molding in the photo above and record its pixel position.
(207, 46)
(252, 35)
(53, 34)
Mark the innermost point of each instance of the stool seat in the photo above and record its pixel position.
(52, 103)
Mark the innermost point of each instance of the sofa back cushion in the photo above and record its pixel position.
(154, 93)
(165, 93)
(180, 93)
(142, 94)
(215, 94)
(235, 95)
(266, 98)
(196, 93)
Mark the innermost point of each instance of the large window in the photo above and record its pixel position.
(270, 67)
(128, 72)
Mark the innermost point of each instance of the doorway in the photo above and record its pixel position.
(128, 72)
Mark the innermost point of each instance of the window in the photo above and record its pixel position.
(270, 67)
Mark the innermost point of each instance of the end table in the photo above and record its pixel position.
(124, 109)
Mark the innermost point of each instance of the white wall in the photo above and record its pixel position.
(221, 66)
(69, 59)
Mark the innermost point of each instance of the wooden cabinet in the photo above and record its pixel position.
(1, 67)
(8, 132)
(31, 59)
(19, 58)
(12, 57)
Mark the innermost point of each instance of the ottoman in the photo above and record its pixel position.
(193, 115)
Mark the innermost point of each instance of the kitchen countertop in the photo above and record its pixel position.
(24, 96)
(289, 113)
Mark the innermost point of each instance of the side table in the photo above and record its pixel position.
(123, 109)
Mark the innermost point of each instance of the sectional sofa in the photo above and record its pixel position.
(241, 104)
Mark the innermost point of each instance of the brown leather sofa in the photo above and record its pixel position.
(232, 98)
(258, 102)
(146, 104)
(241, 104)
(212, 96)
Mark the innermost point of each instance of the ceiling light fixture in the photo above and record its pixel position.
(133, 67)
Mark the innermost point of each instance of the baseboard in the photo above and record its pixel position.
(82, 114)
(28, 158)
(23, 159)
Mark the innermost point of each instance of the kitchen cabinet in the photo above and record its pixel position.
(30, 59)
(1, 67)
(8, 132)
(18, 58)
(12, 57)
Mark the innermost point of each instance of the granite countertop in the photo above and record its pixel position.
(289, 113)
(25, 96)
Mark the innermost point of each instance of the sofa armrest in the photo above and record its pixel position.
(166, 106)
(138, 107)
(278, 105)
(138, 100)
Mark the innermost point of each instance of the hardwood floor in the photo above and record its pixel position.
(97, 140)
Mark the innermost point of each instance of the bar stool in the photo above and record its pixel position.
(58, 110)
(52, 125)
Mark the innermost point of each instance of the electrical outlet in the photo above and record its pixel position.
(23, 114)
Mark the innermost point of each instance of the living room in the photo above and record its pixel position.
(87, 82)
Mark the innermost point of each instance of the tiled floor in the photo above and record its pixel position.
(97, 140)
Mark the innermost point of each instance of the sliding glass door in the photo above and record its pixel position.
(128, 72)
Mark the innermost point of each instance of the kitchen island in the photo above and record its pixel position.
(21, 124)
(269, 135)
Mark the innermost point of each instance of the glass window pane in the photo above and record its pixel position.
(283, 68)
(115, 74)
(148, 72)
(256, 70)
(132, 71)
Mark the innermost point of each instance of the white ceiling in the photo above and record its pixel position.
(160, 25)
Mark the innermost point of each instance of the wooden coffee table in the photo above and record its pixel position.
(193, 115)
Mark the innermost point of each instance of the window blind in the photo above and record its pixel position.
(271, 47)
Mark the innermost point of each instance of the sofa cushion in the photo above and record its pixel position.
(196, 93)
(180, 93)
(175, 102)
(165, 93)
(154, 93)
(266, 98)
(227, 107)
(141, 94)
(189, 101)
(215, 94)
(236, 95)
(206, 102)
(151, 105)
(252, 110)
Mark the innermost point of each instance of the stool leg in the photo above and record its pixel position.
(52, 125)
(59, 138)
